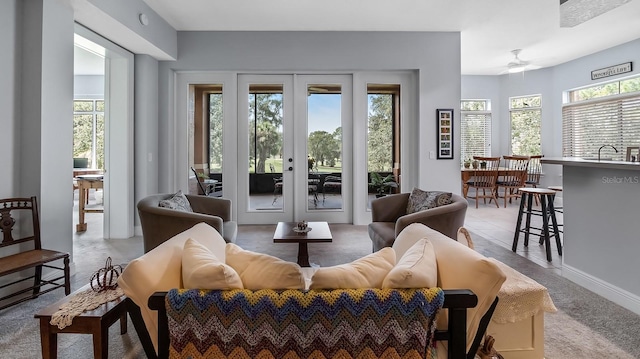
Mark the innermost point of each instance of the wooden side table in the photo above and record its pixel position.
(95, 322)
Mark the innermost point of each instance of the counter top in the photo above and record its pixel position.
(580, 162)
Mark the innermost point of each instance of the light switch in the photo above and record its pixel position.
(432, 154)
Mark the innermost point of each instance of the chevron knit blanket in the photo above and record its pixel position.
(291, 324)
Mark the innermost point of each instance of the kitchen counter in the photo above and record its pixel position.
(580, 162)
(600, 213)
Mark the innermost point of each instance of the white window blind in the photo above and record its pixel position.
(475, 134)
(590, 124)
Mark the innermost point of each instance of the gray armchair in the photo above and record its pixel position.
(389, 217)
(160, 224)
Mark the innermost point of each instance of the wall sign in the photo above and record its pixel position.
(611, 71)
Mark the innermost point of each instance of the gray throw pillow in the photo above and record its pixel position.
(178, 202)
(420, 200)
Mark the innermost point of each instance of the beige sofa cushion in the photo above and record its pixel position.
(459, 267)
(262, 271)
(409, 236)
(160, 270)
(416, 269)
(201, 269)
(366, 272)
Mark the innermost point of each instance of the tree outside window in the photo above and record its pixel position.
(88, 131)
(526, 115)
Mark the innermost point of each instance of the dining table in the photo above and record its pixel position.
(85, 183)
(467, 173)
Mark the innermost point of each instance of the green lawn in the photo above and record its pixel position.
(277, 167)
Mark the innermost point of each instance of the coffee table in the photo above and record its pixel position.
(320, 232)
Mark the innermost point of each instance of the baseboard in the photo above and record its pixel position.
(611, 292)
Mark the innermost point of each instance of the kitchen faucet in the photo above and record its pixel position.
(599, 149)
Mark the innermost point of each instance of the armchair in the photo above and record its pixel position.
(389, 217)
(160, 224)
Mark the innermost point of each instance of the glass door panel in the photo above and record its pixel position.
(324, 103)
(290, 148)
(265, 149)
(266, 182)
(324, 146)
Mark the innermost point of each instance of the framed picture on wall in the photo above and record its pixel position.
(444, 121)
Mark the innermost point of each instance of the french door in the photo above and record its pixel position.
(294, 148)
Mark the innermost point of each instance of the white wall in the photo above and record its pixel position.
(46, 132)
(10, 62)
(146, 129)
(435, 56)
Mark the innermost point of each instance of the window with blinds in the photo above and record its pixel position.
(475, 129)
(609, 116)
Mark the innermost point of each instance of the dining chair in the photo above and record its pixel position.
(512, 177)
(534, 171)
(484, 179)
(533, 174)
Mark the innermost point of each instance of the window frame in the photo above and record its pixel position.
(586, 122)
(525, 108)
(482, 108)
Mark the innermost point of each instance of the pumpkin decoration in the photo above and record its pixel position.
(106, 278)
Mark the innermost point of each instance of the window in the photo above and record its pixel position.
(605, 114)
(383, 132)
(88, 131)
(475, 128)
(215, 132)
(525, 114)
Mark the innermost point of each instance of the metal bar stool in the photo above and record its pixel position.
(546, 212)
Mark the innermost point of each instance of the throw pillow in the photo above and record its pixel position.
(420, 200)
(178, 202)
(201, 269)
(416, 269)
(262, 271)
(366, 272)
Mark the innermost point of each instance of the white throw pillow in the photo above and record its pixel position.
(262, 271)
(366, 272)
(201, 269)
(416, 269)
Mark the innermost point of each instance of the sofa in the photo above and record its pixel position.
(159, 223)
(155, 286)
(389, 217)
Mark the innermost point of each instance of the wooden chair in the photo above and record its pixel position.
(513, 178)
(534, 171)
(24, 258)
(484, 178)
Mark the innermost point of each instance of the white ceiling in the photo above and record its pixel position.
(489, 29)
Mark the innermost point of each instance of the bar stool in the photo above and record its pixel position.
(547, 212)
(558, 209)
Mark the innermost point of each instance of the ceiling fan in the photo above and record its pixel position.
(518, 65)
